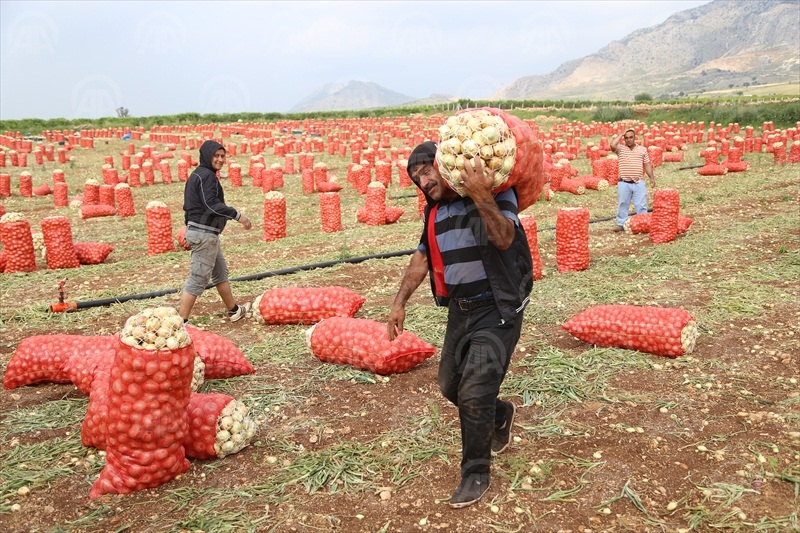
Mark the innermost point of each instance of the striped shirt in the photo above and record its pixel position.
(464, 273)
(632, 162)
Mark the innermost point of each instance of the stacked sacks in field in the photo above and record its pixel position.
(640, 223)
(139, 382)
(712, 166)
(734, 161)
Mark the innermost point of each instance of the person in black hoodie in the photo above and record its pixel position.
(476, 254)
(205, 215)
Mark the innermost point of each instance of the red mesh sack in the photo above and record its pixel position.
(59, 248)
(640, 223)
(684, 223)
(41, 359)
(223, 359)
(180, 237)
(43, 190)
(17, 242)
(97, 210)
(94, 429)
(330, 212)
(26, 184)
(274, 216)
(91, 192)
(124, 199)
(573, 186)
(92, 253)
(328, 186)
(219, 425)
(531, 234)
(364, 344)
(159, 228)
(664, 219)
(306, 305)
(148, 394)
(91, 359)
(525, 171)
(668, 332)
(572, 239)
(374, 213)
(393, 214)
(712, 170)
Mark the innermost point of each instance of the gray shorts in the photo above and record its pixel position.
(207, 263)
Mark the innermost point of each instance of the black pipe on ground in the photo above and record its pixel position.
(252, 277)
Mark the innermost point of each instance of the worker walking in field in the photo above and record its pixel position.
(634, 162)
(480, 266)
(206, 215)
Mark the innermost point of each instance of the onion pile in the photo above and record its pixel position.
(13, 217)
(235, 429)
(155, 328)
(475, 134)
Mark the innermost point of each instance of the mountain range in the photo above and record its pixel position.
(719, 45)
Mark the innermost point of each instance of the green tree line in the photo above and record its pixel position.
(784, 112)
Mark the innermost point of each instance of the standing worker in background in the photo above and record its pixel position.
(206, 215)
(480, 266)
(634, 162)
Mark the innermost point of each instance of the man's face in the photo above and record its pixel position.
(431, 182)
(630, 139)
(218, 161)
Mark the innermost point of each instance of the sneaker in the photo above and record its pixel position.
(618, 229)
(241, 312)
(470, 490)
(502, 435)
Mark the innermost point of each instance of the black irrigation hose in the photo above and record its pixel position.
(691, 167)
(252, 277)
(282, 272)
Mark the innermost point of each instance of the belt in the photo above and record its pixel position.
(204, 230)
(627, 181)
(469, 305)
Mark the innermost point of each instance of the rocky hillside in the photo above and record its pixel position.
(718, 45)
(353, 96)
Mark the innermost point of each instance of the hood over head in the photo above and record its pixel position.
(207, 151)
(425, 153)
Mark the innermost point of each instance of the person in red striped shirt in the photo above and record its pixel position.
(634, 163)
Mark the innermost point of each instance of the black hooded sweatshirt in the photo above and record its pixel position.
(203, 198)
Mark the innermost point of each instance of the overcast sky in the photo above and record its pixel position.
(84, 59)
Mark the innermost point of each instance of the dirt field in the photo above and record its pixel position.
(605, 439)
